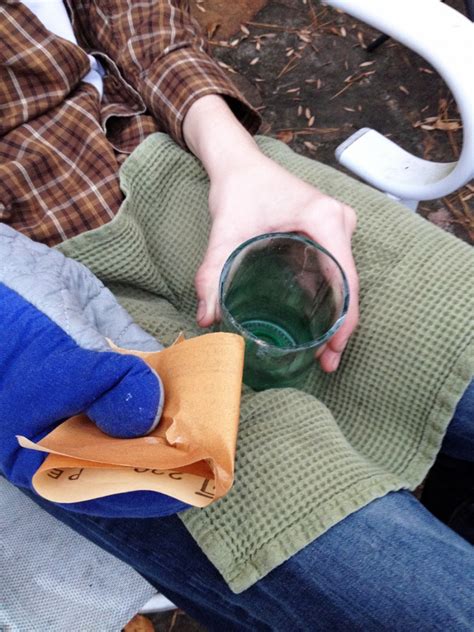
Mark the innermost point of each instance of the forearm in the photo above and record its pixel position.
(215, 136)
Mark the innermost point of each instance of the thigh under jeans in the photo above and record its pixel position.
(389, 566)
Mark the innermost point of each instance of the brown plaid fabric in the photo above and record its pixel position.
(60, 144)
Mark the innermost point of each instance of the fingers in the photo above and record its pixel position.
(325, 220)
(133, 403)
(331, 356)
(207, 293)
(335, 236)
(207, 281)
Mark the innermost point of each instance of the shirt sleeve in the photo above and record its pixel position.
(159, 49)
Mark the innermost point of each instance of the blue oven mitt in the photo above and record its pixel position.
(55, 362)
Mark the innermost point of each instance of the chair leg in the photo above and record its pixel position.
(377, 42)
(469, 4)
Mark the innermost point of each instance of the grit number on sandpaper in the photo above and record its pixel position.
(56, 473)
(204, 491)
(176, 476)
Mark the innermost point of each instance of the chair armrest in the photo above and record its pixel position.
(157, 603)
(385, 165)
(446, 40)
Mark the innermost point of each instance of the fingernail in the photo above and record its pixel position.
(334, 361)
(319, 352)
(201, 310)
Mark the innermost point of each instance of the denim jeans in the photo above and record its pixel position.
(389, 566)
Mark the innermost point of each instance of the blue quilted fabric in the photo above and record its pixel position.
(47, 375)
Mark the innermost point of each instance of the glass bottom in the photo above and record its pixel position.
(284, 328)
(270, 332)
(280, 362)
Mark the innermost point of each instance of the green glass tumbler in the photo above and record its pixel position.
(286, 295)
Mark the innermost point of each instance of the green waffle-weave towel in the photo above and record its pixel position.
(305, 459)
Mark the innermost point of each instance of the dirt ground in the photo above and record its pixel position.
(302, 60)
(306, 67)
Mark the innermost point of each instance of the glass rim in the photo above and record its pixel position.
(317, 342)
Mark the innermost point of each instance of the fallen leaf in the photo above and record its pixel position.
(309, 145)
(211, 29)
(226, 66)
(230, 15)
(431, 123)
(139, 623)
(447, 126)
(360, 39)
(285, 137)
(429, 145)
(441, 218)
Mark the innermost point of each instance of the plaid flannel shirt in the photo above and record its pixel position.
(60, 144)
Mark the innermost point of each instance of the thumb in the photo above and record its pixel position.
(207, 284)
(133, 403)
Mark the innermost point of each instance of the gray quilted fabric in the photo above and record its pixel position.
(68, 293)
(53, 580)
(50, 577)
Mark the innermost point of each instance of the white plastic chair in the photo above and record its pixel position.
(445, 38)
(157, 603)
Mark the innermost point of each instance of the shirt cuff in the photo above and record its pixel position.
(181, 77)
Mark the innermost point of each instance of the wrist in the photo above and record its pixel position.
(216, 137)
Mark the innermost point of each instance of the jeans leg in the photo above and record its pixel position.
(459, 440)
(448, 491)
(389, 566)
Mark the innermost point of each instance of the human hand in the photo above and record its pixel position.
(251, 195)
(55, 361)
(257, 196)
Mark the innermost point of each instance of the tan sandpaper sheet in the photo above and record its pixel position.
(190, 456)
